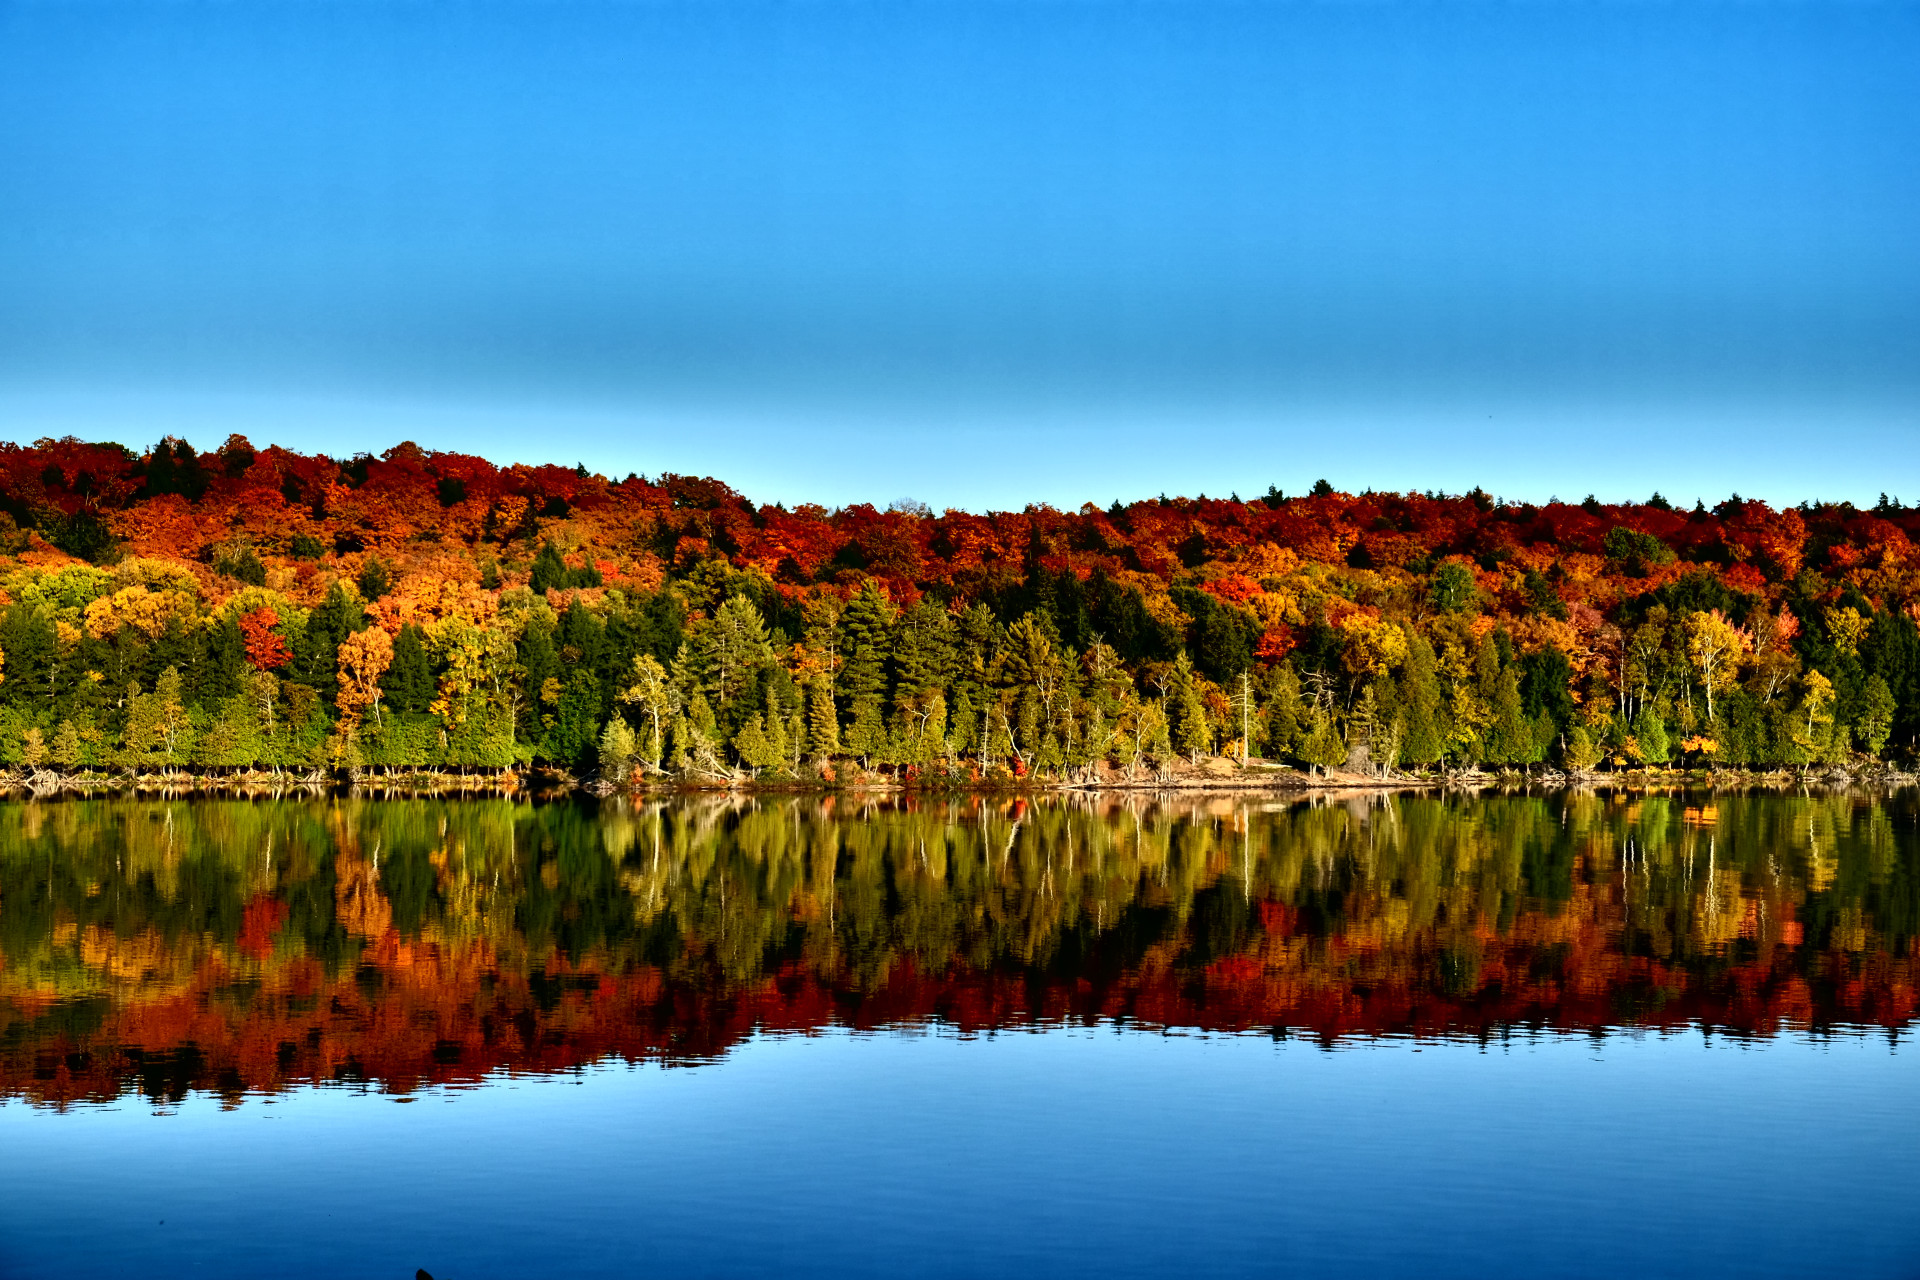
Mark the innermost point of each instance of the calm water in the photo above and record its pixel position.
(1499, 1036)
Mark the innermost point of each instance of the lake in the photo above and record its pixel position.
(1474, 1035)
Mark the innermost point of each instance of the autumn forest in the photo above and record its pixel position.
(253, 608)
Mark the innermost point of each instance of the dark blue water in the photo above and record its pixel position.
(1067, 1152)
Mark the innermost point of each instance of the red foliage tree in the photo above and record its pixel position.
(265, 649)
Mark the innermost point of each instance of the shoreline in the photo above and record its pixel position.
(1209, 779)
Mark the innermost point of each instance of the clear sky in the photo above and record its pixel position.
(981, 253)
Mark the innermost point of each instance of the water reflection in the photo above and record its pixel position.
(166, 946)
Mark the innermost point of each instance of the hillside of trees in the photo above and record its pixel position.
(260, 608)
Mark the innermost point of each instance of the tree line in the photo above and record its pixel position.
(641, 628)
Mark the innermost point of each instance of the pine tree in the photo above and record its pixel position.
(700, 716)
(924, 644)
(66, 746)
(141, 731)
(1107, 683)
(571, 734)
(224, 666)
(1050, 755)
(616, 746)
(755, 748)
(549, 570)
(865, 636)
(680, 753)
(1421, 704)
(1321, 745)
(823, 723)
(539, 664)
(1650, 737)
(408, 682)
(1192, 733)
(1283, 713)
(1876, 715)
(776, 734)
(1581, 753)
(1097, 741)
(230, 740)
(729, 650)
(1509, 739)
(966, 725)
(980, 639)
(316, 647)
(867, 735)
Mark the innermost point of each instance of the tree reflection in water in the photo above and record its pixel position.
(164, 946)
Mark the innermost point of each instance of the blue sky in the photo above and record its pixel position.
(981, 253)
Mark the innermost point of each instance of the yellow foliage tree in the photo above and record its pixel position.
(1848, 628)
(1374, 645)
(147, 612)
(364, 658)
(1714, 646)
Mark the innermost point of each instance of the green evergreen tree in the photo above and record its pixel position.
(316, 646)
(700, 738)
(1452, 588)
(1320, 743)
(1281, 712)
(570, 737)
(729, 650)
(223, 667)
(1877, 709)
(538, 661)
(1509, 739)
(965, 730)
(755, 748)
(140, 729)
(823, 722)
(1050, 755)
(762, 743)
(375, 579)
(1422, 705)
(408, 681)
(549, 570)
(66, 750)
(1192, 732)
(1581, 753)
(866, 737)
(776, 735)
(680, 749)
(865, 638)
(925, 641)
(616, 747)
(979, 641)
(1650, 736)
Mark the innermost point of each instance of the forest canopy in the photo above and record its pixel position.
(255, 607)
